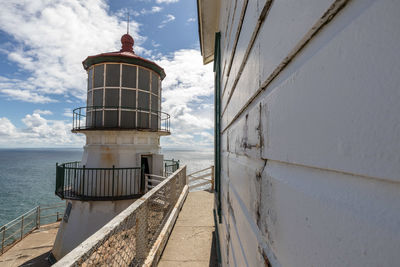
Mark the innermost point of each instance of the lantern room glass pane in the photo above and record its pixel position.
(144, 79)
(90, 79)
(111, 118)
(97, 118)
(112, 98)
(98, 98)
(154, 122)
(89, 99)
(128, 98)
(128, 76)
(143, 100)
(154, 103)
(89, 121)
(112, 75)
(154, 83)
(143, 120)
(98, 76)
(128, 119)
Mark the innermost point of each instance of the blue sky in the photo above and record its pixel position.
(42, 45)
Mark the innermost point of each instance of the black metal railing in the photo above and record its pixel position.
(74, 181)
(170, 166)
(117, 117)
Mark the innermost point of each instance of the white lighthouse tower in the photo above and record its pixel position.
(123, 123)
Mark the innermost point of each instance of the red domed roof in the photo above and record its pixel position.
(127, 43)
(125, 55)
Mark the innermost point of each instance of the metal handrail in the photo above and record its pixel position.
(200, 175)
(77, 182)
(130, 237)
(15, 230)
(170, 166)
(87, 118)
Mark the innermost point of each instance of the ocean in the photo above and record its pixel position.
(27, 176)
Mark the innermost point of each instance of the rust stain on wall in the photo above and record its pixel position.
(107, 157)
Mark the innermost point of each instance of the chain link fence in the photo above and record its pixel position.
(128, 238)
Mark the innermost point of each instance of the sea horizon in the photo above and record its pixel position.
(27, 175)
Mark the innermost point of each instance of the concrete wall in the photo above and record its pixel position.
(84, 220)
(310, 132)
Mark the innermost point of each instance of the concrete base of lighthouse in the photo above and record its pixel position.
(105, 149)
(84, 220)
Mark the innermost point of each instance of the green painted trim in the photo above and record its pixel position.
(217, 119)
(219, 258)
(121, 59)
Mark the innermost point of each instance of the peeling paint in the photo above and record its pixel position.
(230, 208)
(259, 196)
(264, 257)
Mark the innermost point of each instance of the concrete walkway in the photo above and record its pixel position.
(33, 249)
(192, 241)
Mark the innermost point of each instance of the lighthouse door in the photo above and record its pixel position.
(145, 161)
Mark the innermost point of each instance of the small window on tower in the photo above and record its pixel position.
(112, 75)
(98, 76)
(144, 79)
(128, 76)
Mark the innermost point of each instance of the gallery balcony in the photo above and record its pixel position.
(120, 118)
(75, 181)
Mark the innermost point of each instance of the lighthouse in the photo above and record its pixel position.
(123, 123)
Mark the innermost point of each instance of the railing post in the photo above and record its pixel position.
(22, 227)
(83, 180)
(212, 178)
(57, 217)
(37, 217)
(113, 168)
(3, 238)
(142, 180)
(146, 182)
(79, 119)
(172, 192)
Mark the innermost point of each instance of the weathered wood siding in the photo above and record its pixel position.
(310, 132)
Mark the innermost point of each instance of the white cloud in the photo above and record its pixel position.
(188, 98)
(67, 112)
(26, 96)
(6, 127)
(43, 112)
(168, 19)
(166, 1)
(191, 20)
(51, 40)
(154, 44)
(53, 37)
(38, 131)
(154, 9)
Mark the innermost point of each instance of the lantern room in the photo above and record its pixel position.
(123, 92)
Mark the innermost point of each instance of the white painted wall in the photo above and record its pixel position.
(119, 148)
(311, 149)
